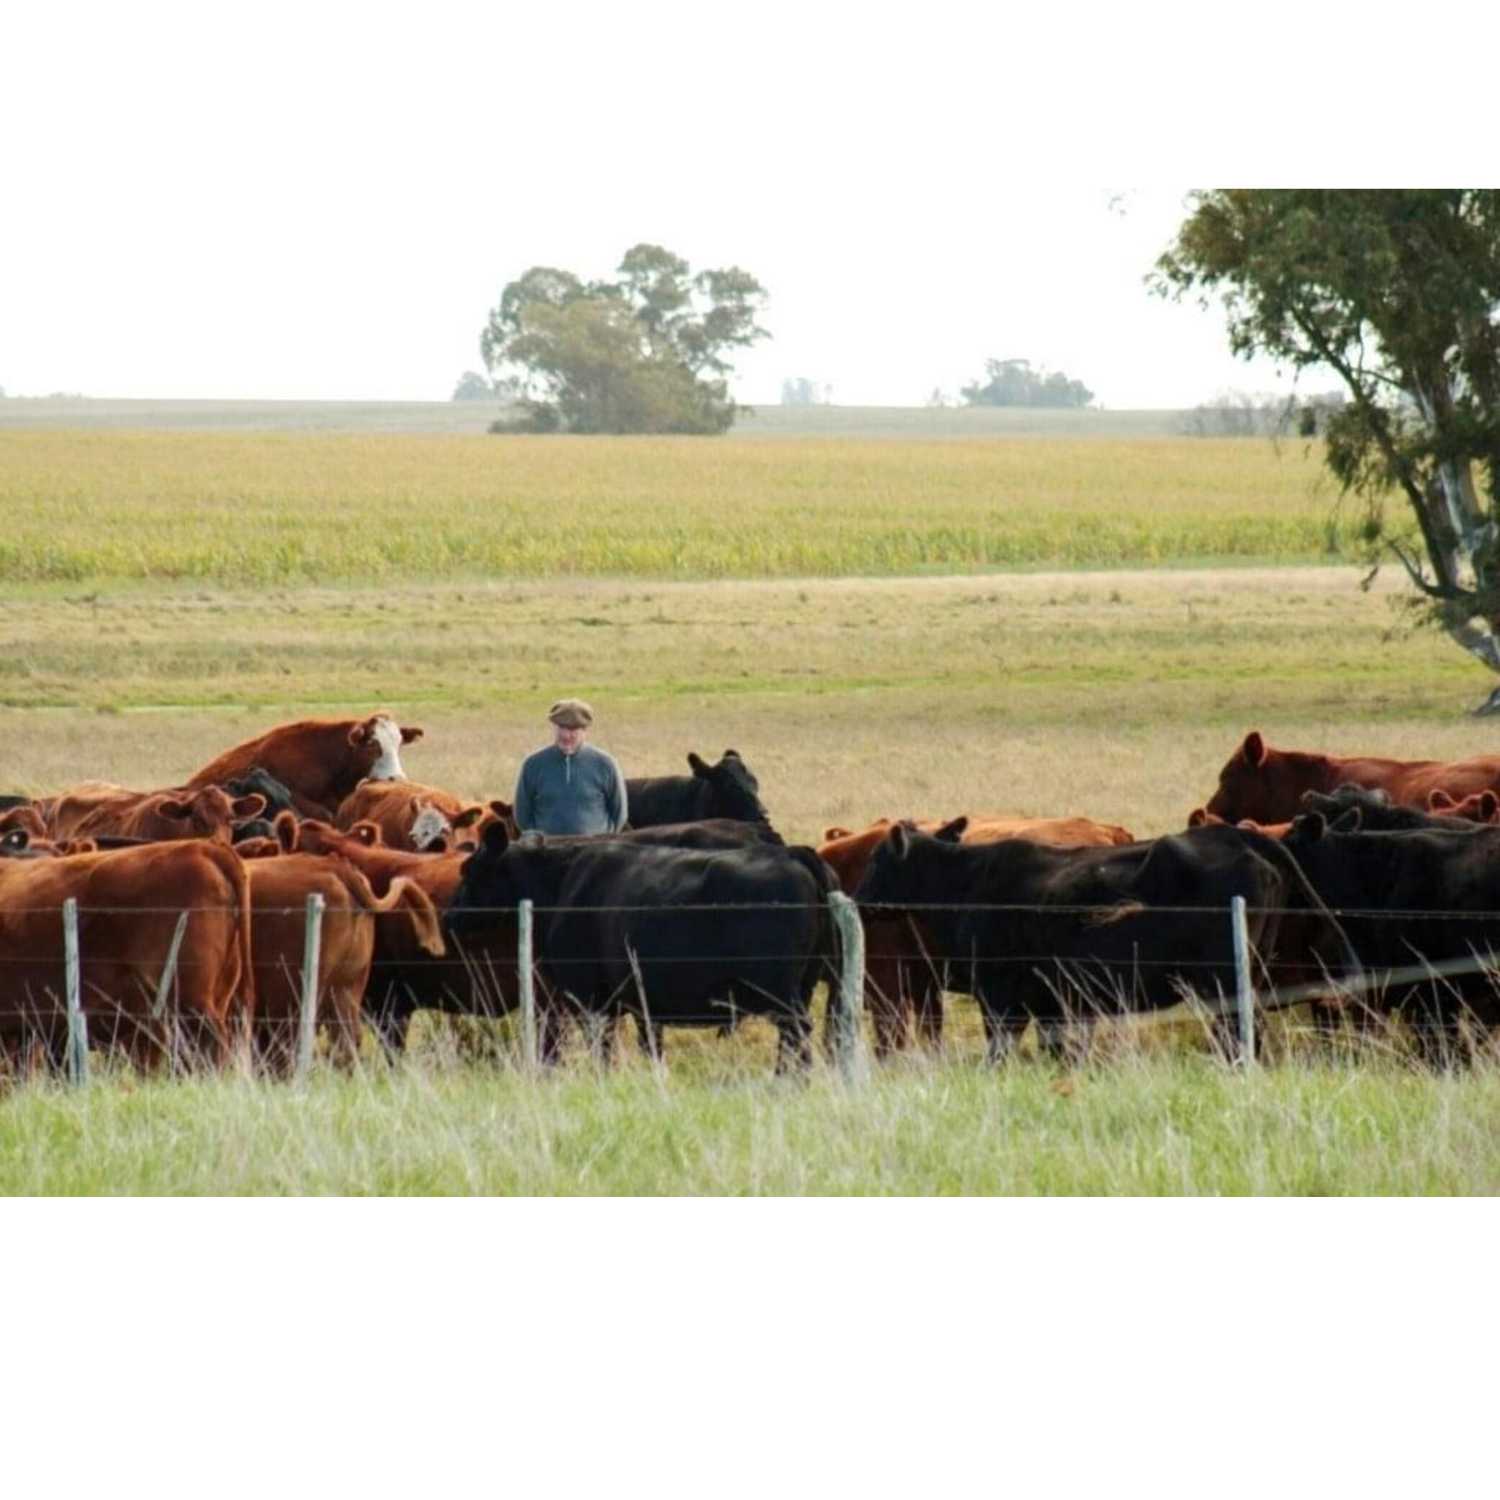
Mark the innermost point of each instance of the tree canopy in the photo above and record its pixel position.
(646, 352)
(1398, 293)
(1012, 382)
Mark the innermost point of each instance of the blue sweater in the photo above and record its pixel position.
(579, 793)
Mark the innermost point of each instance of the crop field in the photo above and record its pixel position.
(238, 510)
(923, 684)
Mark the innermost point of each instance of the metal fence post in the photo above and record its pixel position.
(78, 1026)
(525, 980)
(1244, 995)
(850, 1030)
(311, 952)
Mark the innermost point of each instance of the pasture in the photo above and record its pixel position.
(938, 685)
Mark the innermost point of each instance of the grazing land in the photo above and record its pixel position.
(152, 640)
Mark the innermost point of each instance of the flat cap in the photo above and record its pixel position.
(571, 713)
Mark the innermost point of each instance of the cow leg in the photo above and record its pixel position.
(890, 1027)
(1001, 1032)
(648, 1037)
(391, 1028)
(929, 1016)
(344, 1004)
(793, 1040)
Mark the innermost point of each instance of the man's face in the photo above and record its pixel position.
(568, 739)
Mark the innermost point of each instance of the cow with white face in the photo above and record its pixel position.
(320, 761)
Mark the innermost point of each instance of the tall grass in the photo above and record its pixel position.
(239, 509)
(1143, 1124)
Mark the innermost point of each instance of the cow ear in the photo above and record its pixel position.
(1198, 817)
(284, 828)
(900, 840)
(501, 809)
(1310, 827)
(697, 762)
(735, 754)
(468, 817)
(172, 808)
(1254, 749)
(410, 733)
(952, 832)
(496, 839)
(1439, 801)
(250, 806)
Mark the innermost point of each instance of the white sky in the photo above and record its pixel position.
(323, 201)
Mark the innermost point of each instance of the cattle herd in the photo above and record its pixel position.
(1372, 887)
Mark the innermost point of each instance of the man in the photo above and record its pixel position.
(570, 787)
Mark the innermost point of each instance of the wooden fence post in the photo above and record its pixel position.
(78, 1026)
(307, 1026)
(1244, 995)
(850, 1029)
(525, 979)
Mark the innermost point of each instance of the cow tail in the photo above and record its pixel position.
(238, 974)
(827, 958)
(404, 895)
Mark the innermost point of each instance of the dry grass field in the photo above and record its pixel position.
(926, 689)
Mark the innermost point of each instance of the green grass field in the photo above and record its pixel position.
(924, 687)
(239, 510)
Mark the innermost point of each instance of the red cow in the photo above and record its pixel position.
(421, 818)
(129, 902)
(209, 813)
(320, 761)
(354, 922)
(479, 980)
(1267, 785)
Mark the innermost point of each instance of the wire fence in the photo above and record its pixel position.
(158, 979)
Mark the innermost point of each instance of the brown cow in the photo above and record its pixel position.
(129, 902)
(902, 978)
(355, 921)
(208, 812)
(419, 818)
(1267, 785)
(477, 979)
(320, 761)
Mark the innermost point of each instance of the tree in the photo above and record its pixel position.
(472, 386)
(647, 352)
(1012, 382)
(1398, 293)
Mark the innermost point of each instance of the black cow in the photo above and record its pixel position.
(478, 978)
(1409, 898)
(1056, 935)
(257, 779)
(672, 936)
(727, 790)
(1374, 812)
